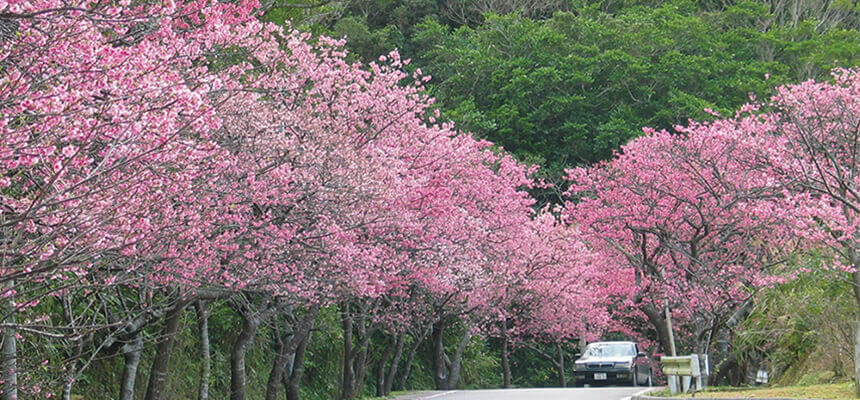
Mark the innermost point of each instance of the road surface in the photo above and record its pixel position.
(600, 393)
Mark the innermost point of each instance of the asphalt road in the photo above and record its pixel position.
(600, 393)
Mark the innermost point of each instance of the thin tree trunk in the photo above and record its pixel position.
(205, 353)
(361, 357)
(457, 362)
(131, 352)
(360, 370)
(395, 363)
(380, 370)
(356, 338)
(562, 376)
(557, 360)
(293, 366)
(9, 350)
(407, 369)
(506, 361)
(161, 363)
(440, 370)
(294, 378)
(287, 357)
(347, 389)
(279, 363)
(72, 372)
(9, 365)
(67, 389)
(238, 378)
(722, 357)
(658, 322)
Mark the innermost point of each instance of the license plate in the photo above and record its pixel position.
(600, 376)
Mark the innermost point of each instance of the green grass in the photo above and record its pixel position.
(838, 391)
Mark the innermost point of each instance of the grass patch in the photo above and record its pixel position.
(839, 391)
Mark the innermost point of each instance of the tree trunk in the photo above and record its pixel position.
(347, 388)
(557, 360)
(205, 353)
(562, 376)
(380, 370)
(9, 365)
(9, 349)
(506, 361)
(238, 378)
(729, 373)
(161, 363)
(289, 356)
(361, 359)
(703, 350)
(440, 369)
(658, 322)
(294, 378)
(395, 363)
(457, 362)
(447, 371)
(131, 352)
(355, 350)
(67, 389)
(72, 372)
(722, 356)
(407, 369)
(279, 363)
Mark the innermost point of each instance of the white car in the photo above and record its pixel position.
(613, 362)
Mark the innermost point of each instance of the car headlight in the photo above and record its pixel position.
(625, 365)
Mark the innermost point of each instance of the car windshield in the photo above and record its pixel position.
(609, 350)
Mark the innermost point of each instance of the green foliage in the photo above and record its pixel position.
(368, 44)
(571, 88)
(482, 368)
(529, 369)
(322, 364)
(801, 330)
(324, 356)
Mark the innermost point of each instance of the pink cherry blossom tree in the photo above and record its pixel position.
(104, 118)
(545, 288)
(813, 136)
(691, 221)
(188, 151)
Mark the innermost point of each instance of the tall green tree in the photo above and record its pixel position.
(571, 89)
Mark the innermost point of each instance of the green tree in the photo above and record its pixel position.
(572, 88)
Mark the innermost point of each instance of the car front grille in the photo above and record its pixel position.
(598, 366)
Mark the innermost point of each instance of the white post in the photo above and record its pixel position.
(672, 380)
(857, 358)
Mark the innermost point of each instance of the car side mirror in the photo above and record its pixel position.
(578, 355)
(641, 354)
